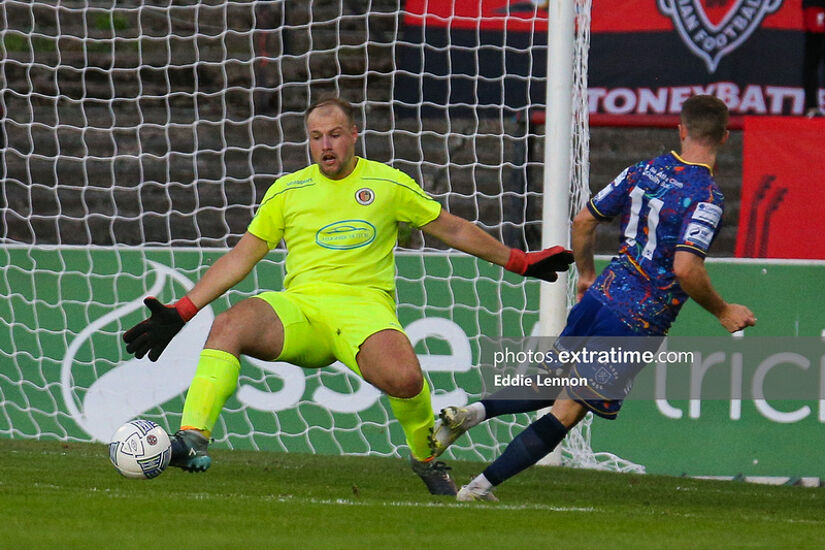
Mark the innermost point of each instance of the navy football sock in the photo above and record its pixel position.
(530, 446)
(496, 406)
(514, 400)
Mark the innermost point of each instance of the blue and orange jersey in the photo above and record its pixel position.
(666, 205)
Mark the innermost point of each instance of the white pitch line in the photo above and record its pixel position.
(410, 504)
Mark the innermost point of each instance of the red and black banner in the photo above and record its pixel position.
(472, 56)
(646, 56)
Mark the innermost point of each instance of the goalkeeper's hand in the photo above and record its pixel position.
(542, 265)
(154, 334)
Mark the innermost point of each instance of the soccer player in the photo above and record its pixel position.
(339, 220)
(670, 209)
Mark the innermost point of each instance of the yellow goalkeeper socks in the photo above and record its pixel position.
(215, 380)
(416, 417)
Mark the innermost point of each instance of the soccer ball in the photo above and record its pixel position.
(140, 449)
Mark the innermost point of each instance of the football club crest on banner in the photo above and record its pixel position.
(714, 28)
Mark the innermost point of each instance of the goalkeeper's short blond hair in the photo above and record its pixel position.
(326, 100)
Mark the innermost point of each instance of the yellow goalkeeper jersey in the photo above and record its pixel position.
(341, 231)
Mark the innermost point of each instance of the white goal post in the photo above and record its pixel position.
(566, 191)
(138, 138)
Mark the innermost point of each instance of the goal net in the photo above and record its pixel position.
(138, 138)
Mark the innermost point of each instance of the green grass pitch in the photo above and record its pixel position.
(67, 496)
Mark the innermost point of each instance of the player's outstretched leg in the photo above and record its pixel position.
(387, 360)
(189, 451)
(452, 423)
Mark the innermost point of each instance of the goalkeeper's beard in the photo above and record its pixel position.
(337, 169)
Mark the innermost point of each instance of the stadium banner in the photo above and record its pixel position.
(67, 376)
(782, 177)
(646, 56)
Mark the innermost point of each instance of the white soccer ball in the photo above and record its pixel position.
(140, 449)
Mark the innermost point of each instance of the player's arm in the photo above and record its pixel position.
(693, 277)
(154, 334)
(228, 270)
(462, 235)
(583, 238)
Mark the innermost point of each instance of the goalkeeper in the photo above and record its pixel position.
(339, 220)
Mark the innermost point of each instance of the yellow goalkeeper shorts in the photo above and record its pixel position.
(323, 323)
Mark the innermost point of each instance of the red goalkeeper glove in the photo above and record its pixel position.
(542, 265)
(154, 334)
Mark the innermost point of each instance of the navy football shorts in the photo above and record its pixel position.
(597, 334)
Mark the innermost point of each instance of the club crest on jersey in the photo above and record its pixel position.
(365, 196)
(713, 28)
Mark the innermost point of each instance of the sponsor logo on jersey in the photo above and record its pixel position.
(613, 184)
(711, 30)
(707, 212)
(346, 235)
(365, 196)
(699, 235)
(299, 182)
(662, 178)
